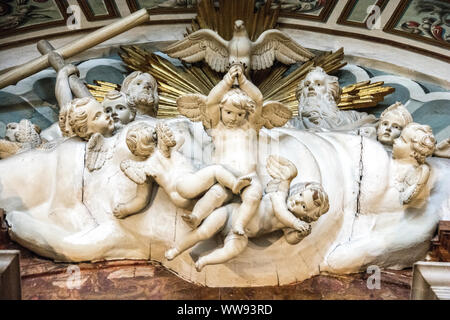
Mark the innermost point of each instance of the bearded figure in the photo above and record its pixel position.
(318, 95)
(142, 93)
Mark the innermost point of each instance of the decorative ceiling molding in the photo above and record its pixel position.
(99, 10)
(359, 19)
(320, 10)
(135, 5)
(312, 16)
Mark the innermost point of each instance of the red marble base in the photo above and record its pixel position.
(44, 279)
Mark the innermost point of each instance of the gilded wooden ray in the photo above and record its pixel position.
(174, 81)
(278, 84)
(100, 89)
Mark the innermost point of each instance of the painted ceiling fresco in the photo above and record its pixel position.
(421, 20)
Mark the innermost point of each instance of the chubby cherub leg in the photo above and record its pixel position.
(233, 246)
(192, 185)
(212, 199)
(212, 224)
(251, 198)
(137, 204)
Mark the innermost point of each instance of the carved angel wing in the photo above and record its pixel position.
(274, 44)
(135, 170)
(193, 106)
(166, 139)
(201, 45)
(275, 114)
(96, 152)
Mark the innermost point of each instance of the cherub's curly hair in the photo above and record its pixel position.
(74, 120)
(141, 139)
(239, 99)
(423, 142)
(399, 109)
(320, 197)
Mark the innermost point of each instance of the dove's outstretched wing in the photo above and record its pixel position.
(193, 106)
(96, 152)
(274, 44)
(274, 114)
(201, 45)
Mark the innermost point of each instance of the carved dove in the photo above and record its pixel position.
(207, 45)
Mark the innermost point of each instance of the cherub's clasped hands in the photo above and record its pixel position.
(236, 72)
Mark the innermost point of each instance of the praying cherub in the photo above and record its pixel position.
(410, 150)
(290, 209)
(171, 170)
(233, 118)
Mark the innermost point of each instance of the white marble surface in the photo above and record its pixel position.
(71, 219)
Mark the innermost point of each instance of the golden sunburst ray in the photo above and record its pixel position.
(363, 95)
(100, 89)
(174, 80)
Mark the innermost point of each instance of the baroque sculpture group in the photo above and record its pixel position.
(257, 193)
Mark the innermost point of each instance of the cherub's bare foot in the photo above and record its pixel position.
(199, 265)
(241, 183)
(191, 220)
(120, 211)
(239, 230)
(172, 253)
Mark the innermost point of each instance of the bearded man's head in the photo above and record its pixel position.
(142, 92)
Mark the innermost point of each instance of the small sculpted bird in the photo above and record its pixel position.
(220, 54)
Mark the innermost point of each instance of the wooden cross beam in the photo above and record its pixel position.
(75, 47)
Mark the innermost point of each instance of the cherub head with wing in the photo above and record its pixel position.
(234, 102)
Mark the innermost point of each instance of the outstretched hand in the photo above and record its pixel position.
(281, 168)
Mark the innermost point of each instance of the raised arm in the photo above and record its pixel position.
(283, 172)
(63, 92)
(249, 88)
(217, 93)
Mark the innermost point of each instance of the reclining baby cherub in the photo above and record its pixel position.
(171, 170)
(410, 151)
(290, 209)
